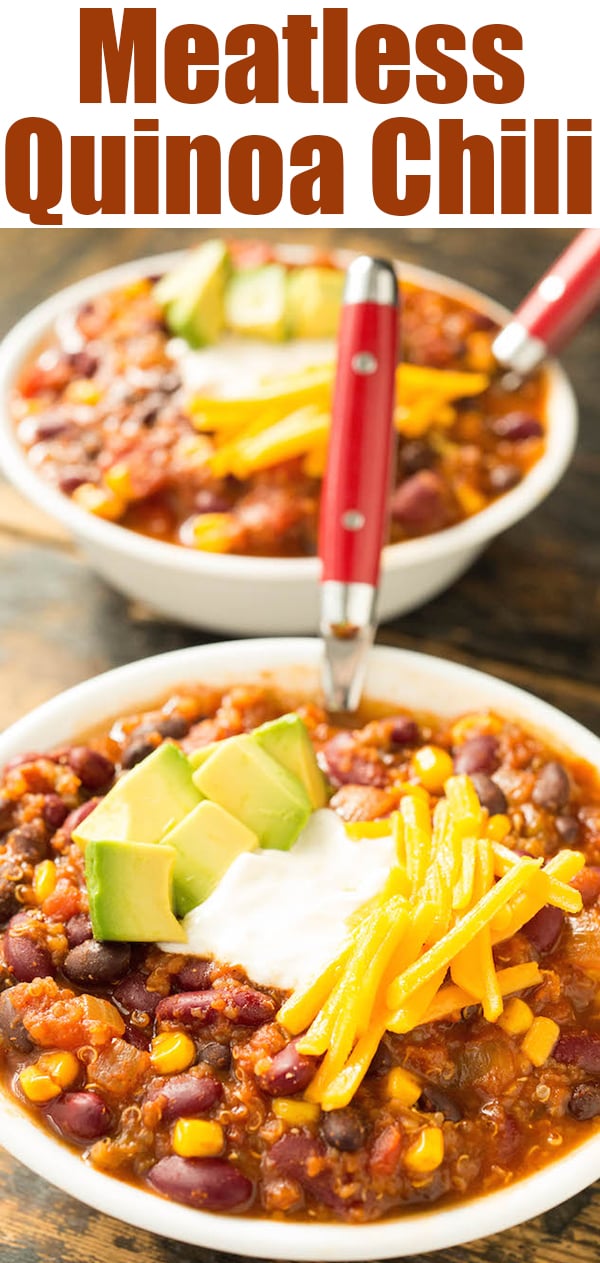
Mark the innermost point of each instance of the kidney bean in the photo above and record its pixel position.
(189, 1008)
(478, 754)
(186, 1095)
(489, 794)
(289, 1072)
(552, 787)
(132, 994)
(343, 1129)
(584, 1101)
(347, 764)
(567, 828)
(295, 1157)
(12, 1029)
(516, 426)
(76, 817)
(25, 958)
(84, 363)
(7, 813)
(30, 756)
(78, 929)
(416, 455)
(80, 1115)
(93, 962)
(54, 811)
(94, 770)
(9, 904)
(74, 476)
(247, 1007)
(138, 1036)
(405, 731)
(580, 1049)
(587, 882)
(136, 750)
(195, 975)
(544, 929)
(502, 478)
(434, 1100)
(29, 842)
(419, 501)
(207, 501)
(216, 1055)
(206, 1183)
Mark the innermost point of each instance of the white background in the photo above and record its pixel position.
(39, 75)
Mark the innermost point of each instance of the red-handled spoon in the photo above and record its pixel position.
(355, 498)
(556, 307)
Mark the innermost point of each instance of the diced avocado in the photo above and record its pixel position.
(193, 294)
(129, 888)
(145, 802)
(286, 739)
(206, 842)
(314, 301)
(197, 757)
(255, 302)
(258, 790)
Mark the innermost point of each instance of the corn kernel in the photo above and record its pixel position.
(118, 479)
(540, 1040)
(498, 828)
(44, 880)
(49, 1076)
(432, 766)
(83, 392)
(426, 1153)
(172, 1051)
(296, 1113)
(516, 1018)
(402, 1087)
(198, 1138)
(470, 499)
(100, 501)
(212, 532)
(369, 828)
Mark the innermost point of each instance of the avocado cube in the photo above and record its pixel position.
(314, 301)
(258, 790)
(145, 802)
(129, 887)
(193, 294)
(286, 739)
(199, 756)
(255, 302)
(206, 842)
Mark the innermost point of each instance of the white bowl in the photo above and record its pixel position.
(266, 595)
(401, 678)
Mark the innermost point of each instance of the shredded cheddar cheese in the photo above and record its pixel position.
(454, 892)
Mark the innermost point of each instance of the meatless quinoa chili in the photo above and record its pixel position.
(194, 407)
(446, 1042)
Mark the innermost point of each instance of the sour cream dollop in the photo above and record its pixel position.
(240, 367)
(283, 915)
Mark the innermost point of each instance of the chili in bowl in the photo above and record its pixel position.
(376, 1031)
(116, 418)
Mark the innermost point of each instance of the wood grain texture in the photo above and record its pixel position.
(528, 611)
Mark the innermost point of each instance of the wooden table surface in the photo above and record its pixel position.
(528, 611)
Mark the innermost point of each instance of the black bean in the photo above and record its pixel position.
(78, 929)
(207, 1183)
(174, 726)
(93, 962)
(516, 426)
(12, 1029)
(94, 770)
(435, 1101)
(567, 828)
(343, 1129)
(28, 843)
(80, 1115)
(545, 928)
(416, 455)
(9, 904)
(54, 811)
(7, 813)
(552, 787)
(584, 1101)
(478, 754)
(135, 751)
(185, 1095)
(489, 794)
(288, 1072)
(216, 1055)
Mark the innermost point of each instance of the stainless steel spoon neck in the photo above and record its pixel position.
(371, 280)
(348, 623)
(517, 350)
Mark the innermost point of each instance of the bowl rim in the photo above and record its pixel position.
(412, 1233)
(470, 534)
